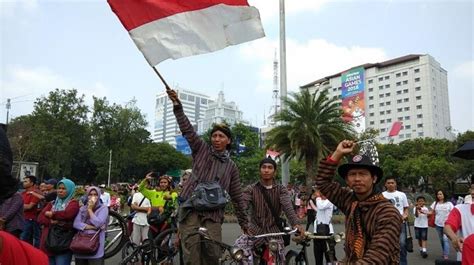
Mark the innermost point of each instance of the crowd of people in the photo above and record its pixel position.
(46, 216)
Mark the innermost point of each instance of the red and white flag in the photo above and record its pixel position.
(396, 127)
(164, 29)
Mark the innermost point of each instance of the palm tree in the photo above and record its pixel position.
(311, 126)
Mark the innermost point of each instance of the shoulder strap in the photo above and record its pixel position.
(140, 204)
(269, 204)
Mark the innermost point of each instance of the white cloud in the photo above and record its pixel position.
(25, 85)
(308, 61)
(269, 9)
(464, 70)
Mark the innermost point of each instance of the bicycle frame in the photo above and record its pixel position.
(336, 238)
(273, 243)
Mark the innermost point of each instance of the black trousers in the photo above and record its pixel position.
(320, 248)
(311, 216)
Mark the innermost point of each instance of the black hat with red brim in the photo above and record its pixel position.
(360, 161)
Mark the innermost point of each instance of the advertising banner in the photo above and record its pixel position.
(353, 104)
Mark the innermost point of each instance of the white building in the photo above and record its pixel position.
(412, 89)
(166, 128)
(219, 111)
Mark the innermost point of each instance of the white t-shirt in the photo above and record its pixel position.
(397, 198)
(140, 217)
(442, 211)
(105, 197)
(422, 220)
(324, 213)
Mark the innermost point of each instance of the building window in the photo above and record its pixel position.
(406, 99)
(387, 86)
(370, 81)
(371, 106)
(382, 130)
(382, 104)
(420, 134)
(398, 75)
(203, 101)
(371, 89)
(417, 88)
(387, 77)
(387, 103)
(389, 111)
(418, 106)
(405, 91)
(399, 101)
(399, 83)
(380, 95)
(407, 118)
(400, 118)
(380, 87)
(407, 126)
(382, 121)
(380, 78)
(417, 79)
(406, 108)
(382, 113)
(419, 125)
(371, 114)
(191, 98)
(371, 122)
(371, 97)
(419, 116)
(408, 135)
(405, 73)
(405, 82)
(387, 94)
(416, 70)
(401, 136)
(399, 109)
(418, 97)
(183, 96)
(334, 89)
(339, 88)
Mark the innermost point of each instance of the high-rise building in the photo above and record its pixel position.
(219, 111)
(412, 89)
(166, 128)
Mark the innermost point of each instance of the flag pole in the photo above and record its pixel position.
(161, 78)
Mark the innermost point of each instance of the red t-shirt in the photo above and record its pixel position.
(27, 199)
(16, 252)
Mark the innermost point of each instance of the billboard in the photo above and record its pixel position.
(182, 145)
(353, 103)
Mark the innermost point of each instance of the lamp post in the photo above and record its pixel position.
(285, 169)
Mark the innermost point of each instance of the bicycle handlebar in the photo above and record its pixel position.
(337, 237)
(274, 234)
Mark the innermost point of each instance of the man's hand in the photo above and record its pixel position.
(300, 229)
(345, 147)
(457, 243)
(48, 214)
(148, 176)
(173, 96)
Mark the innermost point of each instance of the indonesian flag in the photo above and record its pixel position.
(396, 127)
(164, 29)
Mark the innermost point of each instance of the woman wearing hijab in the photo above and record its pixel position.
(92, 217)
(61, 211)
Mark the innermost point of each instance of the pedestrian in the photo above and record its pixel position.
(372, 222)
(104, 195)
(311, 209)
(266, 200)
(421, 224)
(92, 217)
(141, 205)
(31, 230)
(441, 209)
(61, 212)
(323, 226)
(461, 218)
(400, 201)
(212, 166)
(11, 202)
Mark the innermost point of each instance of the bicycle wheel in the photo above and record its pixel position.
(290, 258)
(116, 234)
(129, 255)
(167, 247)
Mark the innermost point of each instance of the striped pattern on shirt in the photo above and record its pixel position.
(381, 221)
(206, 167)
(261, 218)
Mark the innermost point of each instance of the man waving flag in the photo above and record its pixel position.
(173, 29)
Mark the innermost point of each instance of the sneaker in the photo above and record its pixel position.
(445, 257)
(424, 254)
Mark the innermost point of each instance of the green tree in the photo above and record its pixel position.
(161, 157)
(311, 127)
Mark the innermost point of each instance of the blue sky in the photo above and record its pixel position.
(81, 44)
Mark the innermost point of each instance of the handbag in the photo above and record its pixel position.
(84, 243)
(209, 195)
(322, 229)
(280, 222)
(59, 238)
(409, 240)
(431, 217)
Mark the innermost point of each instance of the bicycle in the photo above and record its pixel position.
(230, 253)
(301, 258)
(272, 246)
(163, 248)
(115, 235)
